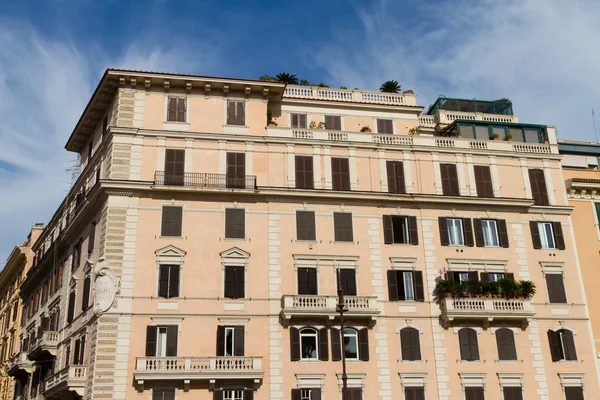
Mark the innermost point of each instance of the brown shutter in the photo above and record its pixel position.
(85, 298)
(349, 281)
(240, 283)
(71, 311)
(464, 340)
(174, 167)
(304, 172)
(570, 344)
(305, 225)
(336, 347)
(294, 344)
(468, 232)
(163, 281)
(312, 281)
(217, 395)
(241, 114)
(172, 109)
(76, 352)
(323, 345)
(82, 350)
(315, 394)
(556, 288)
(295, 122)
(535, 235)
(538, 187)
(419, 287)
(181, 108)
(510, 276)
(363, 344)
(231, 120)
(343, 227)
(151, 334)
(236, 170)
(513, 393)
(559, 239)
(502, 233)
(248, 394)
(391, 177)
(411, 348)
(235, 223)
(483, 181)
(220, 341)
(474, 393)
(388, 231)
(333, 122)
(92, 237)
(239, 338)
(229, 282)
(296, 394)
(554, 345)
(392, 285)
(174, 281)
(413, 232)
(172, 331)
(171, 221)
(340, 171)
(478, 228)
(505, 342)
(574, 393)
(302, 280)
(443, 224)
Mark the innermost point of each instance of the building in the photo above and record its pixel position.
(197, 253)
(12, 275)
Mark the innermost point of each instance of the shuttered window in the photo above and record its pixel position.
(398, 229)
(385, 126)
(333, 122)
(161, 341)
(304, 172)
(307, 281)
(85, 296)
(483, 181)
(237, 394)
(342, 223)
(76, 257)
(230, 341)
(474, 393)
(469, 349)
(539, 190)
(236, 113)
(235, 223)
(236, 170)
(299, 121)
(556, 288)
(414, 393)
(76, 351)
(490, 232)
(347, 281)
(395, 177)
(562, 345)
(163, 394)
(234, 282)
(547, 235)
(309, 344)
(171, 221)
(405, 285)
(168, 281)
(71, 309)
(306, 394)
(92, 237)
(411, 345)
(512, 393)
(176, 109)
(455, 231)
(505, 340)
(174, 167)
(449, 180)
(340, 173)
(574, 393)
(354, 394)
(305, 225)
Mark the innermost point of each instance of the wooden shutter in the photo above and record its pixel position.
(556, 288)
(171, 221)
(82, 350)
(217, 395)
(502, 233)
(220, 341)
(92, 237)
(333, 122)
(571, 353)
(395, 177)
(296, 394)
(323, 345)
(559, 239)
(248, 394)
(305, 225)
(468, 232)
(336, 347)
(419, 287)
(554, 345)
(294, 344)
(235, 223)
(363, 344)
(413, 232)
(354, 394)
(340, 173)
(295, 120)
(229, 282)
(172, 109)
(535, 235)
(236, 170)
(302, 280)
(449, 180)
(414, 393)
(239, 341)
(469, 350)
(538, 187)
(343, 227)
(71, 311)
(163, 281)
(151, 335)
(174, 281)
(410, 343)
(240, 282)
(574, 393)
(478, 228)
(315, 394)
(510, 276)
(172, 331)
(85, 297)
(505, 341)
(392, 285)
(348, 281)
(473, 276)
(231, 120)
(512, 393)
(174, 166)
(304, 172)
(483, 181)
(385, 126)
(181, 109)
(388, 230)
(474, 393)
(76, 352)
(443, 224)
(241, 114)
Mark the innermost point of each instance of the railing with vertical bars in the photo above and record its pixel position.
(205, 180)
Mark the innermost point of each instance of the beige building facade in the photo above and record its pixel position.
(198, 254)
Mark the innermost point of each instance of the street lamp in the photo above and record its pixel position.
(341, 308)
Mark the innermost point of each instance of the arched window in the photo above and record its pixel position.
(562, 345)
(308, 344)
(469, 349)
(411, 346)
(505, 340)
(350, 344)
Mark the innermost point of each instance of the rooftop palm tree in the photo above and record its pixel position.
(390, 87)
(287, 78)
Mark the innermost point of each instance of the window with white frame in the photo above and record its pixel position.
(546, 235)
(495, 276)
(305, 394)
(161, 341)
(308, 344)
(490, 233)
(350, 344)
(455, 232)
(233, 394)
(229, 341)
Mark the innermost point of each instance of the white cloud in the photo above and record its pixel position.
(541, 54)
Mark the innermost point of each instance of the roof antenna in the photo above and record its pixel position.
(594, 125)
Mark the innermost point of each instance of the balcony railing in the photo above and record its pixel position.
(205, 180)
(44, 346)
(297, 305)
(71, 378)
(20, 364)
(447, 117)
(349, 95)
(487, 309)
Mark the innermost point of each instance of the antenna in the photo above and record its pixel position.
(594, 125)
(73, 170)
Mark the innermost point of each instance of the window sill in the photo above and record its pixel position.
(507, 361)
(176, 122)
(234, 239)
(353, 361)
(470, 362)
(343, 242)
(399, 244)
(170, 237)
(567, 361)
(309, 361)
(411, 361)
(307, 241)
(235, 126)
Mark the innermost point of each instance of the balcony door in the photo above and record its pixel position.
(236, 170)
(174, 167)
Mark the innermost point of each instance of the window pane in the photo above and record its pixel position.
(493, 277)
(531, 135)
(408, 286)
(161, 348)
(463, 276)
(499, 131)
(467, 131)
(490, 233)
(517, 134)
(350, 344)
(308, 343)
(546, 235)
(455, 234)
(229, 342)
(481, 132)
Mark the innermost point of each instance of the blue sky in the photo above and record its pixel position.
(542, 54)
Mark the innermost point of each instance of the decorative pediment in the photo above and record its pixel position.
(170, 253)
(235, 256)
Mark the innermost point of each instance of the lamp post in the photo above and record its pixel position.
(340, 309)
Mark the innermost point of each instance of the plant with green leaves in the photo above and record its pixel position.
(473, 288)
(390, 87)
(527, 289)
(284, 77)
(304, 82)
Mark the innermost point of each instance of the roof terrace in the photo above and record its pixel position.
(499, 107)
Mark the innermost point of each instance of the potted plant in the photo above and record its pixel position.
(366, 129)
(508, 137)
(270, 121)
(443, 288)
(508, 288)
(489, 288)
(527, 289)
(474, 288)
(494, 136)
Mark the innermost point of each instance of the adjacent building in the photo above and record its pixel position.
(200, 251)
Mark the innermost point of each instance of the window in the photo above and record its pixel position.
(562, 345)
(234, 282)
(405, 285)
(90, 148)
(91, 237)
(556, 288)
(469, 350)
(236, 170)
(350, 344)
(163, 394)
(333, 122)
(505, 340)
(347, 280)
(474, 393)
(340, 173)
(235, 223)
(299, 121)
(397, 229)
(306, 394)
(354, 394)
(449, 180)
(307, 281)
(574, 393)
(395, 177)
(85, 296)
(411, 345)
(168, 281)
(71, 310)
(174, 167)
(455, 231)
(512, 393)
(490, 232)
(236, 113)
(309, 344)
(305, 225)
(230, 341)
(483, 181)
(304, 172)
(76, 258)
(538, 187)
(547, 235)
(79, 351)
(460, 276)
(238, 394)
(496, 276)
(356, 344)
(176, 109)
(343, 227)
(171, 221)
(414, 393)
(104, 125)
(385, 126)
(161, 341)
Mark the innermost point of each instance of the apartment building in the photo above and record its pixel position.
(199, 252)
(12, 275)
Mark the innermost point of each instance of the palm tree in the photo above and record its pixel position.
(287, 78)
(390, 87)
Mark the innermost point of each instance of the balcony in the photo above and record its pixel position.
(486, 309)
(20, 365)
(350, 95)
(197, 368)
(70, 380)
(44, 347)
(205, 180)
(325, 306)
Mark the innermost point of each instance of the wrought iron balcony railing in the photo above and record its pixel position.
(205, 180)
